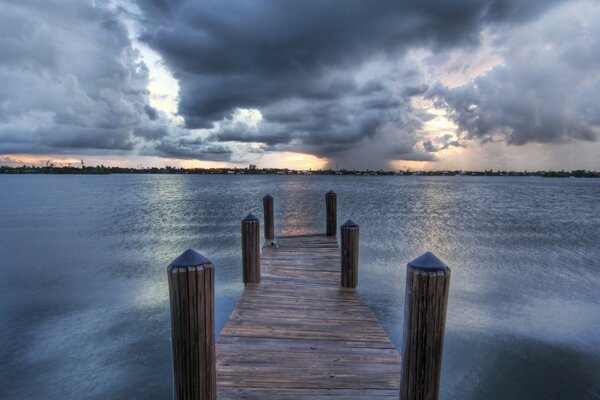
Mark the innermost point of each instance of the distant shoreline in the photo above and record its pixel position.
(252, 170)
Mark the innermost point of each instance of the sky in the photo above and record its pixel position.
(447, 84)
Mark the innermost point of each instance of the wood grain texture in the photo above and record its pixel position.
(331, 213)
(349, 266)
(424, 323)
(299, 335)
(269, 219)
(251, 249)
(191, 293)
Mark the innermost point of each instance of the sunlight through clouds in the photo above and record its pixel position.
(162, 86)
(395, 83)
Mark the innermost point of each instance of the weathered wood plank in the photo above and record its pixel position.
(299, 335)
(261, 394)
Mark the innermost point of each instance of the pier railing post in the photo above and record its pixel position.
(331, 207)
(349, 238)
(269, 221)
(251, 249)
(191, 294)
(427, 283)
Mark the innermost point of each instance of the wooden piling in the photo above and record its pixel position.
(331, 218)
(349, 239)
(269, 220)
(191, 294)
(425, 304)
(251, 249)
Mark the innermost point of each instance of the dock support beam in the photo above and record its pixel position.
(349, 233)
(269, 221)
(191, 294)
(331, 219)
(251, 249)
(425, 303)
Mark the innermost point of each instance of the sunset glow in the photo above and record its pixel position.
(290, 160)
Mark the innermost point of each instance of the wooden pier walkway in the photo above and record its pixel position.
(298, 334)
(300, 329)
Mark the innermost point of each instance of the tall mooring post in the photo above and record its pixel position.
(349, 239)
(251, 249)
(425, 304)
(331, 209)
(192, 294)
(269, 220)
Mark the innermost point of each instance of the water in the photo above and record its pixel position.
(84, 301)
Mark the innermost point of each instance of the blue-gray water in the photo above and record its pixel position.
(83, 295)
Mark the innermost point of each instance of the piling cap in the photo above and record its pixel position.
(268, 196)
(250, 217)
(189, 258)
(428, 262)
(331, 192)
(349, 224)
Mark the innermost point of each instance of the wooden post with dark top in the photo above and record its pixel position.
(331, 219)
(251, 249)
(427, 283)
(349, 233)
(269, 221)
(191, 294)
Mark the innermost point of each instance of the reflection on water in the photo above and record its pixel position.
(294, 220)
(83, 296)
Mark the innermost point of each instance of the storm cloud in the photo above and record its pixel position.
(70, 79)
(305, 65)
(71, 82)
(336, 79)
(547, 90)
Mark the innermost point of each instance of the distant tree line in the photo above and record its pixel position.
(252, 169)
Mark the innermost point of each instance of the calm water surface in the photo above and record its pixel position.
(84, 301)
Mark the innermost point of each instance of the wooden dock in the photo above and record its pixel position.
(298, 334)
(300, 329)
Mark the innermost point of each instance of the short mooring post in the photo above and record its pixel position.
(331, 206)
(425, 303)
(349, 234)
(251, 249)
(269, 221)
(191, 294)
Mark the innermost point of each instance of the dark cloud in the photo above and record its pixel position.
(300, 63)
(71, 81)
(410, 153)
(329, 78)
(319, 126)
(151, 112)
(547, 90)
(441, 143)
(429, 147)
(189, 148)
